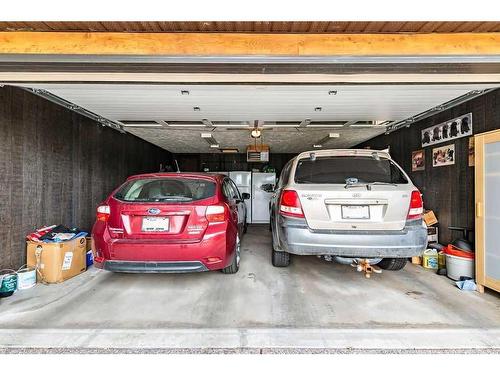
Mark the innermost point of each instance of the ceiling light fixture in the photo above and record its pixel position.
(256, 133)
(210, 140)
(318, 109)
(196, 109)
(332, 92)
(184, 92)
(324, 140)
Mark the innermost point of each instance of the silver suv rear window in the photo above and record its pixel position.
(345, 169)
(166, 190)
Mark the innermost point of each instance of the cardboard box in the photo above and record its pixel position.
(58, 261)
(430, 218)
(88, 244)
(432, 234)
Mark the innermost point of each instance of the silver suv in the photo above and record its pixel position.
(347, 204)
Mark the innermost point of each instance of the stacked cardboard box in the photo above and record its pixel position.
(57, 261)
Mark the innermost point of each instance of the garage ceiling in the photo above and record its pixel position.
(257, 27)
(293, 117)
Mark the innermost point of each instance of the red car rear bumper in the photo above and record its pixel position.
(214, 252)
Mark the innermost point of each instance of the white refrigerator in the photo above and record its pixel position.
(261, 198)
(243, 181)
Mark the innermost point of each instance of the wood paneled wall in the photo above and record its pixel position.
(448, 190)
(56, 166)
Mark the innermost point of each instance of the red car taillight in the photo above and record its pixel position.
(216, 214)
(416, 206)
(290, 204)
(103, 213)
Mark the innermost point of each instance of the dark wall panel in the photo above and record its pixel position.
(56, 166)
(448, 190)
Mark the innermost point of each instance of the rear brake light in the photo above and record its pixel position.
(290, 204)
(103, 213)
(416, 206)
(216, 214)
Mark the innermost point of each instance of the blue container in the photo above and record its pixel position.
(90, 258)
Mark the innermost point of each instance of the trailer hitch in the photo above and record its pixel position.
(363, 265)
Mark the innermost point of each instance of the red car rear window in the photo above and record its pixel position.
(166, 189)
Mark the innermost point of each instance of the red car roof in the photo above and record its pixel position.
(178, 175)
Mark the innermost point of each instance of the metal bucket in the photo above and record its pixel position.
(26, 278)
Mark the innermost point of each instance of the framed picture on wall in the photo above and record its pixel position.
(446, 131)
(418, 161)
(444, 155)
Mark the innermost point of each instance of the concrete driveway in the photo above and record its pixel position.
(310, 305)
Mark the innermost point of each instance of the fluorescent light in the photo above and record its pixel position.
(186, 126)
(132, 125)
(210, 140)
(324, 126)
(140, 123)
(324, 140)
(231, 124)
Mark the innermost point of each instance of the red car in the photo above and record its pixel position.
(171, 222)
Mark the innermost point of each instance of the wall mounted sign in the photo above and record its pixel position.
(446, 131)
(444, 155)
(418, 160)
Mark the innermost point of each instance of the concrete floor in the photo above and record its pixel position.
(312, 304)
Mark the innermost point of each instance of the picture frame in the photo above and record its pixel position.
(418, 160)
(455, 128)
(444, 155)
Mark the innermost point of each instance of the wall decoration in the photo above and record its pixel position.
(444, 155)
(471, 151)
(446, 131)
(418, 161)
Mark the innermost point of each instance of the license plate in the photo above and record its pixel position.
(355, 212)
(155, 224)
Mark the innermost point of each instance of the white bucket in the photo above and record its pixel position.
(459, 266)
(26, 278)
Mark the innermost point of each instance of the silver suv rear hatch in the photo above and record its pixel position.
(358, 193)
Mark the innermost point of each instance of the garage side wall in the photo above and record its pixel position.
(56, 166)
(448, 190)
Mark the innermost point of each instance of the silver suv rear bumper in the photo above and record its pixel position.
(296, 238)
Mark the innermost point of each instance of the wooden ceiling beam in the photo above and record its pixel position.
(231, 44)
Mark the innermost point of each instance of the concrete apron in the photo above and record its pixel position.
(383, 339)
